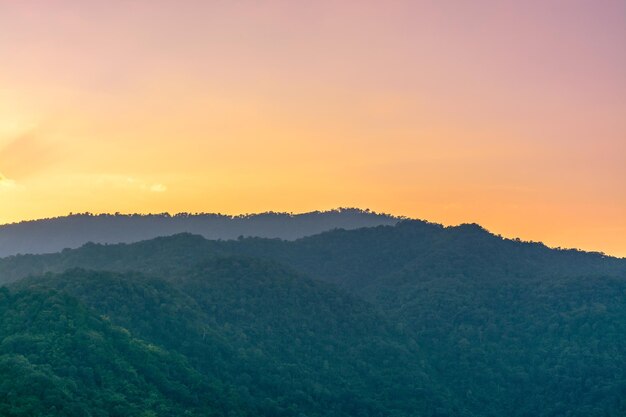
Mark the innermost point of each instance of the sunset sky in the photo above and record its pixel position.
(511, 114)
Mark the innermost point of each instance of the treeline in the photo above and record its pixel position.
(339, 210)
(55, 234)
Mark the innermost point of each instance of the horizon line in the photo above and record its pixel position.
(292, 214)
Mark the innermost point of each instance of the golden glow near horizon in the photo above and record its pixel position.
(504, 113)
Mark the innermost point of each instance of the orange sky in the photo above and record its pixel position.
(510, 114)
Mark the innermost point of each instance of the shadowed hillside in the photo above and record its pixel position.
(53, 235)
(360, 260)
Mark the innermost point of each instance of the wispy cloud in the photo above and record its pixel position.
(6, 182)
(129, 182)
(158, 188)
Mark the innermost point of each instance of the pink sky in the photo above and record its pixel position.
(509, 114)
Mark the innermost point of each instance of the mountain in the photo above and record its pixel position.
(231, 337)
(469, 323)
(60, 358)
(365, 260)
(53, 235)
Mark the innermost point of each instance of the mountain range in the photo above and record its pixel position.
(406, 319)
(74, 230)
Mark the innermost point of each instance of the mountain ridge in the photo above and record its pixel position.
(55, 234)
(327, 254)
(51, 235)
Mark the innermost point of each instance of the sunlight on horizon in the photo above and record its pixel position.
(507, 114)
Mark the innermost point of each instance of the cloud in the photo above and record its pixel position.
(127, 182)
(158, 188)
(6, 182)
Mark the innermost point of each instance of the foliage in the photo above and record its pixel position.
(410, 320)
(270, 341)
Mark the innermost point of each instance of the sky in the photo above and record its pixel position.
(510, 114)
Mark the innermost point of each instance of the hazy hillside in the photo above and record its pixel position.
(53, 235)
(360, 260)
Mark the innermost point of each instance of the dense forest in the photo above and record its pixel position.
(413, 319)
(77, 229)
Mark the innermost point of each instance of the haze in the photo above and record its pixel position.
(508, 114)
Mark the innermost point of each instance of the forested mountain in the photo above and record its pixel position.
(55, 234)
(232, 337)
(414, 319)
(59, 358)
(362, 260)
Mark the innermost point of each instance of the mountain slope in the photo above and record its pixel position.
(56, 234)
(504, 327)
(278, 343)
(58, 358)
(360, 260)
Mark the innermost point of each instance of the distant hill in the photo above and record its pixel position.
(56, 234)
(363, 260)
